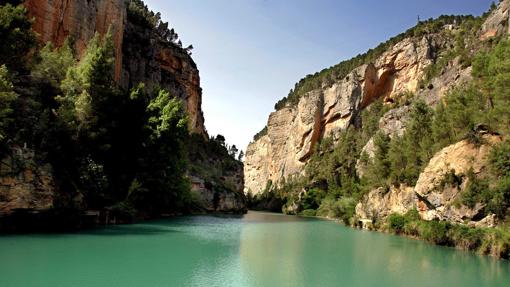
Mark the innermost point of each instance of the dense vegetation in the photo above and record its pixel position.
(140, 14)
(492, 241)
(127, 151)
(332, 184)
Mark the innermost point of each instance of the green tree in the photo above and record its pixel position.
(164, 164)
(16, 34)
(53, 63)
(7, 96)
(379, 166)
(168, 116)
(89, 87)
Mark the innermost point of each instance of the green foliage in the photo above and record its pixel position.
(7, 97)
(312, 198)
(499, 159)
(370, 120)
(139, 13)
(88, 86)
(378, 170)
(53, 63)
(401, 159)
(435, 231)
(451, 179)
(342, 208)
(115, 149)
(16, 34)
(260, 134)
(396, 222)
(210, 160)
(493, 241)
(492, 71)
(308, 212)
(167, 114)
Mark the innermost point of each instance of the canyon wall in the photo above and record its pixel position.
(292, 132)
(140, 55)
(407, 66)
(27, 183)
(57, 20)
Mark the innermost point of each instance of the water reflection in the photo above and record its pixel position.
(258, 249)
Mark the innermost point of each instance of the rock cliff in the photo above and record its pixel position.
(422, 67)
(56, 21)
(434, 196)
(25, 184)
(292, 132)
(140, 55)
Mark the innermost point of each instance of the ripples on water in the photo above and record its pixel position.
(258, 249)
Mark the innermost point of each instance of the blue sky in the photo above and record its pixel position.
(250, 53)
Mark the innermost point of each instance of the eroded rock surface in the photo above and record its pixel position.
(433, 196)
(24, 185)
(294, 131)
(437, 200)
(379, 203)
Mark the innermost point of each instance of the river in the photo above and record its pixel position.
(257, 249)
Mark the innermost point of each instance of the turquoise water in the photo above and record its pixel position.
(257, 249)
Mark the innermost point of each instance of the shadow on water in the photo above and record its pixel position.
(170, 225)
(132, 229)
(112, 230)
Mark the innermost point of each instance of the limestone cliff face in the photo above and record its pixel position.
(435, 198)
(140, 56)
(292, 132)
(437, 201)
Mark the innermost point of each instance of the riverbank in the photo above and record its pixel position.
(70, 220)
(493, 242)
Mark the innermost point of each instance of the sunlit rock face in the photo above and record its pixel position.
(380, 203)
(432, 196)
(437, 200)
(140, 56)
(291, 135)
(294, 131)
(497, 22)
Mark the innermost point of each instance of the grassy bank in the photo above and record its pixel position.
(487, 241)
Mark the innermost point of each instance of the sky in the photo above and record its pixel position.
(250, 53)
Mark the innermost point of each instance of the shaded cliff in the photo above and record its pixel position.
(104, 121)
(141, 55)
